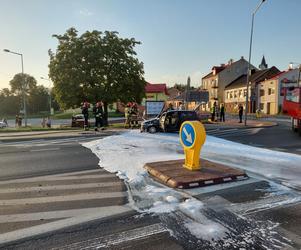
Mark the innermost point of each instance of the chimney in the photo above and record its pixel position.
(230, 61)
(242, 57)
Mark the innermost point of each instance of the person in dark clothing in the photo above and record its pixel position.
(213, 112)
(85, 112)
(240, 112)
(222, 113)
(98, 114)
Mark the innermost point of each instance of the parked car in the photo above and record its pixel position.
(3, 125)
(78, 121)
(169, 121)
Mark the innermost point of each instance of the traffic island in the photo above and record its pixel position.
(173, 174)
(193, 171)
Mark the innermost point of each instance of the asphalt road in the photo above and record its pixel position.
(42, 157)
(280, 137)
(257, 213)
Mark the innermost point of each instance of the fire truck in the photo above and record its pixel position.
(292, 106)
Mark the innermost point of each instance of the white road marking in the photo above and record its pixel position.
(60, 187)
(235, 132)
(57, 177)
(44, 149)
(226, 131)
(56, 225)
(8, 218)
(62, 198)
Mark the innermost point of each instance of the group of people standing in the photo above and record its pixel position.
(97, 112)
(218, 112)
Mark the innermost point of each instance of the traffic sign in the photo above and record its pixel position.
(188, 135)
(192, 138)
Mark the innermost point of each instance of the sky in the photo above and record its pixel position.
(179, 38)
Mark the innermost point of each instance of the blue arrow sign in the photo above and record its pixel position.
(187, 135)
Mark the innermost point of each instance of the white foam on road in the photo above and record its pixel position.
(127, 153)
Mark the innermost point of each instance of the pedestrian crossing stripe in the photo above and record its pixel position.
(52, 199)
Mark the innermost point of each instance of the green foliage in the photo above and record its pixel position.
(95, 66)
(20, 82)
(182, 87)
(38, 100)
(37, 97)
(9, 104)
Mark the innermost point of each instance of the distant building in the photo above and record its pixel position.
(155, 92)
(235, 91)
(193, 98)
(173, 93)
(220, 76)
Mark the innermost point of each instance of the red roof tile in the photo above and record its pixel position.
(156, 88)
(277, 75)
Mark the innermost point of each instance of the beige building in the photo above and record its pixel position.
(220, 76)
(236, 91)
(271, 91)
(235, 94)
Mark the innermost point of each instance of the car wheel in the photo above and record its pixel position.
(152, 130)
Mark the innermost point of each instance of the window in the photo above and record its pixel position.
(235, 94)
(245, 92)
(240, 93)
(231, 94)
(271, 91)
(262, 92)
(261, 106)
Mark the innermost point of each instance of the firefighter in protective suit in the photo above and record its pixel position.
(98, 114)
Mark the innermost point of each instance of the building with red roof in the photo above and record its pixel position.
(156, 92)
(220, 76)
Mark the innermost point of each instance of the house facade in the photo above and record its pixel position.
(236, 91)
(193, 99)
(271, 92)
(220, 76)
(155, 92)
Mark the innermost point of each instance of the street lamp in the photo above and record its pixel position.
(23, 83)
(249, 66)
(49, 92)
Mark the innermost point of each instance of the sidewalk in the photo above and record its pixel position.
(233, 123)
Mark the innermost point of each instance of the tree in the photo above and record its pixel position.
(17, 83)
(38, 100)
(95, 66)
(182, 87)
(9, 103)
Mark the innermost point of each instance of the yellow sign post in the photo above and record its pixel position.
(192, 138)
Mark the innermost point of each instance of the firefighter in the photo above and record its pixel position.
(98, 115)
(134, 115)
(127, 115)
(85, 111)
